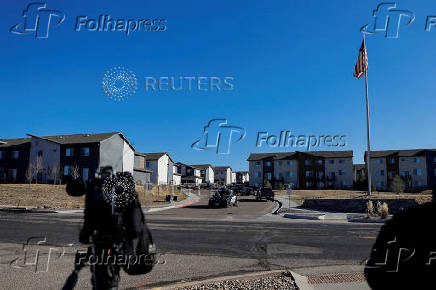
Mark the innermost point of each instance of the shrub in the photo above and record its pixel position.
(383, 210)
(370, 208)
(397, 185)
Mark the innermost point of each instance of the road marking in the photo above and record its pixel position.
(368, 237)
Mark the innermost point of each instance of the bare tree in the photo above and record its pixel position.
(29, 173)
(60, 173)
(75, 172)
(53, 172)
(37, 167)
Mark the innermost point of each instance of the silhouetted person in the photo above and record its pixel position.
(404, 254)
(114, 223)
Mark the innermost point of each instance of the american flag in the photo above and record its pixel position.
(362, 62)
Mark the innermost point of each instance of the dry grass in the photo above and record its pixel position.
(55, 196)
(298, 196)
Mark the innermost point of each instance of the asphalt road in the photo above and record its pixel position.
(197, 242)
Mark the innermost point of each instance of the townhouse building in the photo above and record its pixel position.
(416, 167)
(302, 170)
(177, 176)
(190, 174)
(56, 157)
(223, 175)
(141, 174)
(206, 172)
(242, 176)
(161, 166)
(14, 159)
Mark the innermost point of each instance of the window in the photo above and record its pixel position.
(342, 183)
(392, 160)
(391, 174)
(331, 174)
(434, 159)
(417, 160)
(381, 172)
(15, 154)
(84, 151)
(380, 184)
(417, 183)
(331, 161)
(279, 163)
(278, 175)
(319, 162)
(404, 173)
(403, 159)
(309, 183)
(257, 163)
(85, 174)
(258, 174)
(320, 174)
(67, 170)
(2, 154)
(307, 162)
(12, 174)
(379, 161)
(290, 163)
(290, 174)
(417, 172)
(268, 176)
(69, 152)
(268, 163)
(148, 164)
(341, 161)
(309, 173)
(341, 172)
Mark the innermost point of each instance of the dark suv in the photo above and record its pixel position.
(265, 193)
(223, 198)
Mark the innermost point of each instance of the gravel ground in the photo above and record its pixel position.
(276, 281)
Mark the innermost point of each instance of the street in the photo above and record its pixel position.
(194, 243)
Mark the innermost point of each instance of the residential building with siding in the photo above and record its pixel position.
(303, 170)
(417, 168)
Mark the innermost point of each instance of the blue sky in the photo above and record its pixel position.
(292, 64)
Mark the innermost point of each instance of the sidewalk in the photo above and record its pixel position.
(192, 198)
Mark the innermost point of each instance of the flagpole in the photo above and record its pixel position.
(368, 156)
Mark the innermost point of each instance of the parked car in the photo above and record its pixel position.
(265, 193)
(223, 198)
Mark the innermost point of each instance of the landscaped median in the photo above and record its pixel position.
(49, 196)
(349, 205)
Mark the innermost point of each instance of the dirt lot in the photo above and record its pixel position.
(55, 196)
(299, 196)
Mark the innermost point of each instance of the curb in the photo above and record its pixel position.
(301, 281)
(303, 217)
(278, 207)
(27, 210)
(367, 221)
